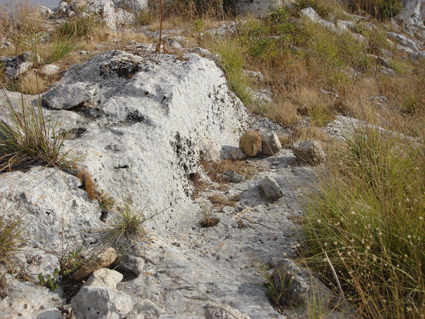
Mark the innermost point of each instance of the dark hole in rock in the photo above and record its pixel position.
(104, 215)
(209, 221)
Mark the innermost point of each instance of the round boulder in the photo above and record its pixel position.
(250, 143)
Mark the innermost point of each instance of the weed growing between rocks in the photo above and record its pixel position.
(11, 238)
(29, 139)
(208, 220)
(369, 219)
(127, 222)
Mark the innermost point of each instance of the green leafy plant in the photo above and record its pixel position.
(29, 140)
(50, 280)
(71, 262)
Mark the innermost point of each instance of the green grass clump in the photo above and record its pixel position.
(232, 61)
(78, 28)
(10, 240)
(60, 48)
(369, 218)
(29, 140)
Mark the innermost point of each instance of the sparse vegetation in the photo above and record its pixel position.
(369, 218)
(127, 221)
(11, 238)
(29, 139)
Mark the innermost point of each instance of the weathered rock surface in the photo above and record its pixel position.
(296, 286)
(270, 144)
(153, 119)
(259, 7)
(66, 97)
(250, 143)
(271, 188)
(310, 152)
(58, 214)
(413, 12)
(101, 302)
(25, 299)
(104, 278)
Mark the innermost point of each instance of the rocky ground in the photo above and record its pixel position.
(147, 128)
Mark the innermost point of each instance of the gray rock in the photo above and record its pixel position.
(311, 14)
(101, 260)
(39, 262)
(101, 303)
(403, 40)
(310, 152)
(145, 309)
(258, 76)
(104, 278)
(297, 286)
(270, 144)
(50, 70)
(233, 177)
(26, 299)
(413, 12)
(45, 314)
(271, 188)
(131, 264)
(261, 97)
(69, 96)
(232, 152)
(259, 8)
(215, 311)
(58, 214)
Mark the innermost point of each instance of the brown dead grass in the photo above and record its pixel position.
(214, 170)
(221, 201)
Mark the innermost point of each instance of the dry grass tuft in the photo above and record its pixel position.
(215, 170)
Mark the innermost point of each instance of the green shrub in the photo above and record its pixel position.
(369, 218)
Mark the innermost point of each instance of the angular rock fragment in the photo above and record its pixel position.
(66, 97)
(310, 152)
(233, 177)
(250, 143)
(101, 302)
(271, 188)
(271, 144)
(104, 278)
(296, 286)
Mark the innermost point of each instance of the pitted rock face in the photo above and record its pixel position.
(155, 117)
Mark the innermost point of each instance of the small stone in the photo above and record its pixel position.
(250, 143)
(233, 177)
(50, 70)
(102, 260)
(271, 188)
(232, 152)
(271, 144)
(104, 278)
(310, 152)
